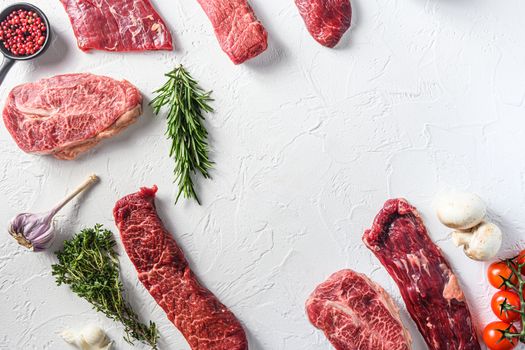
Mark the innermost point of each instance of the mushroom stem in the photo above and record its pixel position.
(461, 238)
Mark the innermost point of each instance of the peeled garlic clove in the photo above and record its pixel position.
(461, 210)
(71, 337)
(94, 335)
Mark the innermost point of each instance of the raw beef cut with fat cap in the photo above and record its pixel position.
(356, 313)
(238, 31)
(162, 268)
(326, 20)
(69, 114)
(117, 25)
(431, 291)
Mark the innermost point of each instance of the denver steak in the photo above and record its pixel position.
(238, 31)
(162, 268)
(117, 25)
(431, 291)
(68, 114)
(326, 20)
(356, 313)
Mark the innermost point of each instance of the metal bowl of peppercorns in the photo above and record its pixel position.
(24, 34)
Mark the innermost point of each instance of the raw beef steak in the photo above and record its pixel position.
(117, 25)
(68, 114)
(326, 20)
(428, 286)
(356, 313)
(163, 270)
(238, 31)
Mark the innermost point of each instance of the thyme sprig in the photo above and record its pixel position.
(186, 103)
(88, 263)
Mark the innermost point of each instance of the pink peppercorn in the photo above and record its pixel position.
(22, 33)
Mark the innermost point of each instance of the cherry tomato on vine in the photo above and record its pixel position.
(494, 338)
(498, 272)
(503, 303)
(521, 260)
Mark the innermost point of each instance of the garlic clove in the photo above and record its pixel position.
(94, 335)
(91, 337)
(461, 210)
(71, 337)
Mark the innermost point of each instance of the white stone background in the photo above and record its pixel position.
(420, 96)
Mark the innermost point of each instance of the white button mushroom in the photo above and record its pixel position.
(482, 243)
(461, 210)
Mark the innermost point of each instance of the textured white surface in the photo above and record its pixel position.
(308, 142)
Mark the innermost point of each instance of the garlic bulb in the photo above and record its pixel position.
(91, 337)
(35, 231)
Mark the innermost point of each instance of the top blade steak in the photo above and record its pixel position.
(69, 114)
(356, 313)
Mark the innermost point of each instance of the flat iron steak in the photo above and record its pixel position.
(117, 25)
(69, 114)
(162, 268)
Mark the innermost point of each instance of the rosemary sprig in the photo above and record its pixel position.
(186, 104)
(88, 263)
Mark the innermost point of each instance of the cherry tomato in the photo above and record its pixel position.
(493, 336)
(498, 272)
(521, 260)
(503, 303)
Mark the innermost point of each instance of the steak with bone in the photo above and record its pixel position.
(356, 313)
(431, 291)
(326, 20)
(117, 25)
(240, 35)
(162, 268)
(69, 114)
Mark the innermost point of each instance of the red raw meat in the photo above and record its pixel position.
(68, 114)
(326, 20)
(117, 25)
(356, 313)
(428, 286)
(238, 31)
(163, 270)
